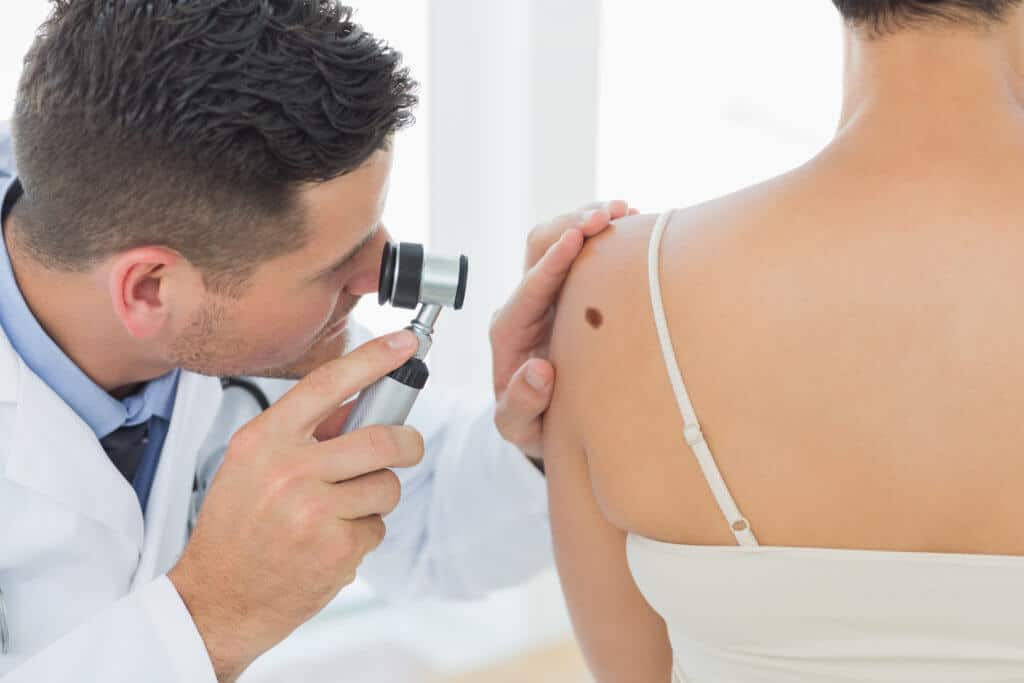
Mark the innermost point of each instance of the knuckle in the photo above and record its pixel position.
(346, 543)
(501, 421)
(381, 444)
(377, 531)
(308, 516)
(413, 446)
(393, 486)
(281, 480)
(246, 439)
(386, 491)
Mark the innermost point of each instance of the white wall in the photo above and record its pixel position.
(20, 19)
(701, 98)
(404, 25)
(513, 131)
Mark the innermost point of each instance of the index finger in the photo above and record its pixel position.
(589, 219)
(300, 411)
(538, 291)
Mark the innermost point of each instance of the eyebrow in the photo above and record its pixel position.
(351, 254)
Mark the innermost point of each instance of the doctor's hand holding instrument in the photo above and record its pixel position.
(293, 510)
(410, 278)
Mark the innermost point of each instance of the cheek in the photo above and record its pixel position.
(309, 314)
(286, 328)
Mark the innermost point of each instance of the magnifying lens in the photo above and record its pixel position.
(409, 278)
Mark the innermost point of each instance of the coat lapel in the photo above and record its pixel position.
(195, 409)
(53, 452)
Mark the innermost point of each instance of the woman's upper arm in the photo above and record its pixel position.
(622, 638)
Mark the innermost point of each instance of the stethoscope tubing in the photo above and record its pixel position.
(5, 636)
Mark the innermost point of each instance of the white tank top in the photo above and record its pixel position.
(752, 614)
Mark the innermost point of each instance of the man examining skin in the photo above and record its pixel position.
(195, 190)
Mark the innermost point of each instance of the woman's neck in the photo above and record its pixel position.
(918, 85)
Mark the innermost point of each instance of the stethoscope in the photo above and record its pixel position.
(5, 637)
(247, 386)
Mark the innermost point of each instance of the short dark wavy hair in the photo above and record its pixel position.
(193, 123)
(884, 16)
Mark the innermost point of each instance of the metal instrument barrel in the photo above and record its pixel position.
(385, 402)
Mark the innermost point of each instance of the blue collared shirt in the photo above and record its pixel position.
(101, 411)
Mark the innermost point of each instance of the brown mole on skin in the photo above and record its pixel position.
(594, 318)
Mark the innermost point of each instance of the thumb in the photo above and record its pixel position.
(521, 407)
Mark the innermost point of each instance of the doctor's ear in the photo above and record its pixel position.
(141, 290)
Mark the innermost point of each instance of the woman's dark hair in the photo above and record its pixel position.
(193, 123)
(883, 16)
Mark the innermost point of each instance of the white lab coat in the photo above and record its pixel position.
(83, 572)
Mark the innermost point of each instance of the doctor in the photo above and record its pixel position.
(199, 194)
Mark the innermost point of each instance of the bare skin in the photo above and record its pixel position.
(849, 333)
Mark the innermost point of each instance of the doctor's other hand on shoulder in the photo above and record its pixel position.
(293, 510)
(523, 377)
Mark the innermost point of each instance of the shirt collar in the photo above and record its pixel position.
(101, 411)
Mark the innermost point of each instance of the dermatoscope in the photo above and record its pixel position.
(410, 278)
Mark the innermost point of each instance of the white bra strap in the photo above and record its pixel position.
(691, 426)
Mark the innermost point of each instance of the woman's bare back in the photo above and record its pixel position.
(851, 335)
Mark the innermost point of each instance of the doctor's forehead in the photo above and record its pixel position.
(350, 206)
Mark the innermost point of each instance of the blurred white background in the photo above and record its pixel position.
(530, 109)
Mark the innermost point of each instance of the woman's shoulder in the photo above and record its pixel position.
(694, 234)
(604, 325)
(705, 244)
(605, 345)
(611, 382)
(602, 296)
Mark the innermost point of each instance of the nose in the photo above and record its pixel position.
(366, 280)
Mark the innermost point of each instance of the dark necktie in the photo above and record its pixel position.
(125, 447)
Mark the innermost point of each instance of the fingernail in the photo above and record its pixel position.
(402, 341)
(535, 380)
(585, 218)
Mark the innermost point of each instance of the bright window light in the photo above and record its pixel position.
(699, 99)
